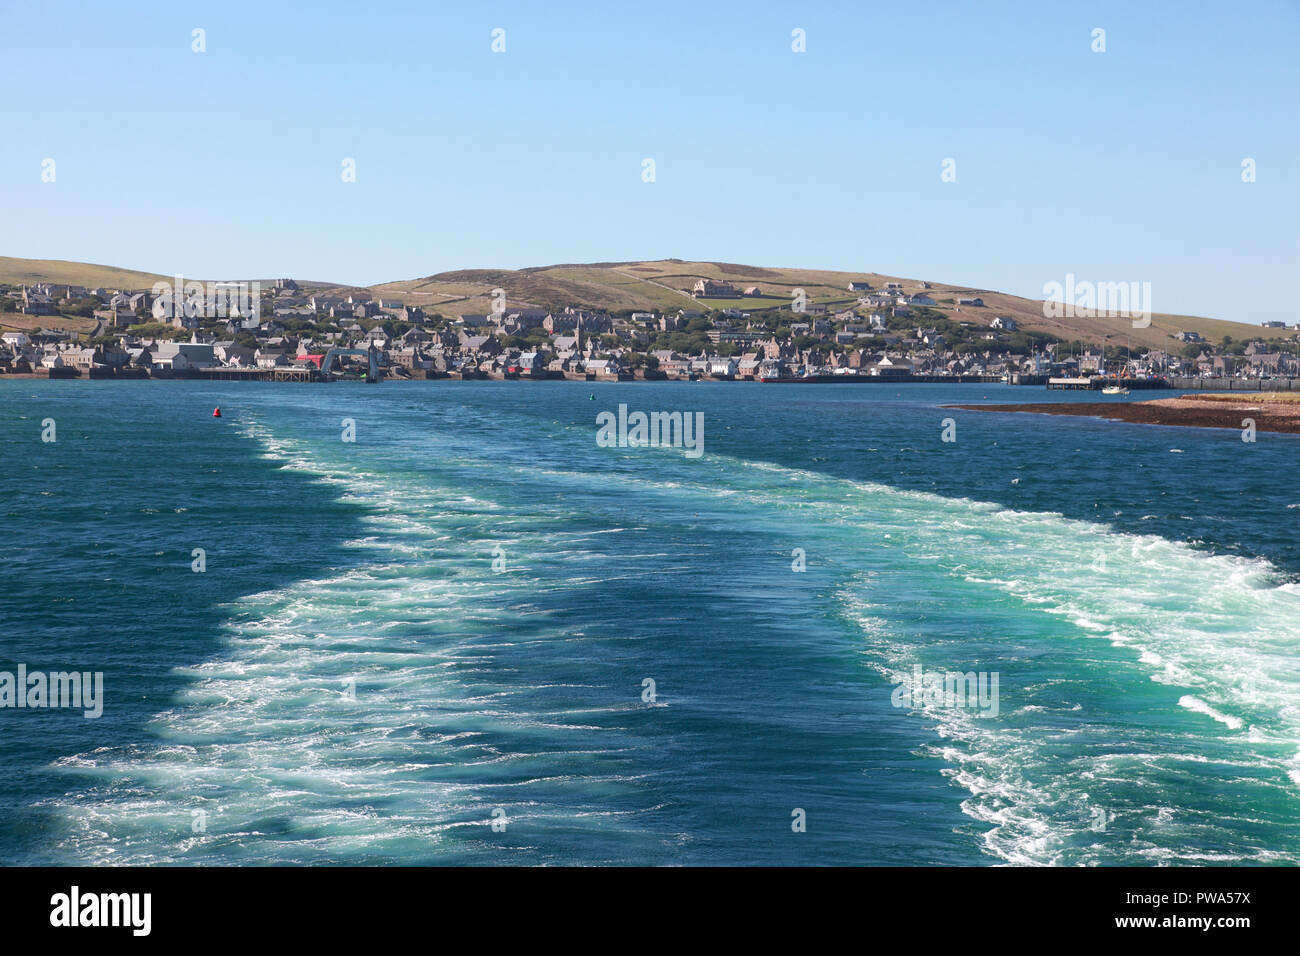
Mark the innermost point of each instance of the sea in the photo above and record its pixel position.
(441, 623)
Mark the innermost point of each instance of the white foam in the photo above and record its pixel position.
(1196, 705)
(271, 730)
(1180, 616)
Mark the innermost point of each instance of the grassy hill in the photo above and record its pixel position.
(60, 272)
(662, 284)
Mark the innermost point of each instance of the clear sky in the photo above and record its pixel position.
(1117, 166)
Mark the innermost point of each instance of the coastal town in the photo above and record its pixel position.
(888, 332)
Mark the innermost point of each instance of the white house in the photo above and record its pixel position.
(270, 359)
(180, 356)
(891, 368)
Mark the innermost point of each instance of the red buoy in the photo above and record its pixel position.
(216, 412)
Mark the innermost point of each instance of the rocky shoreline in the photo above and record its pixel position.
(1201, 411)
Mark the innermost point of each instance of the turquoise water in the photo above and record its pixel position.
(351, 679)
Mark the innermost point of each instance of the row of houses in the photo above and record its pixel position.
(444, 352)
(871, 337)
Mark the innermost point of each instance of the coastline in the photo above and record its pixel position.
(300, 375)
(1206, 411)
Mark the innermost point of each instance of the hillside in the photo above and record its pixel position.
(61, 272)
(658, 285)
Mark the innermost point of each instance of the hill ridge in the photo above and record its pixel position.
(663, 284)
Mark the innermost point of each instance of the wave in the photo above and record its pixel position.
(1150, 695)
(353, 716)
(1218, 631)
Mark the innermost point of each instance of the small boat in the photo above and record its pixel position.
(1118, 388)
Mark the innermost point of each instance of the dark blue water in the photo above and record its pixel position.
(451, 621)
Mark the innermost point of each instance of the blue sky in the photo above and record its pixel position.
(1115, 166)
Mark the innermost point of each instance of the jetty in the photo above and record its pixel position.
(1095, 382)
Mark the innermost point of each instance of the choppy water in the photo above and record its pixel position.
(352, 680)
